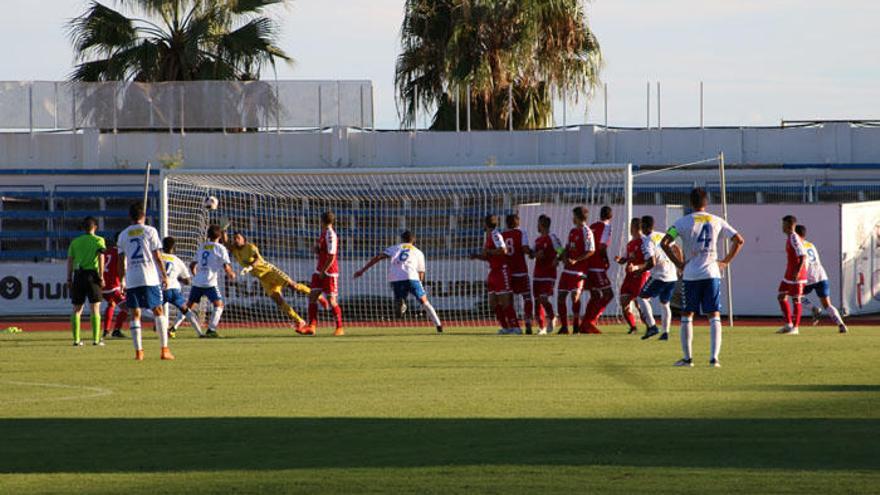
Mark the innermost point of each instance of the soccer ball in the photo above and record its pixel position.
(211, 203)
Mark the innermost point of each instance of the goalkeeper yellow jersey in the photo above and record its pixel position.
(249, 255)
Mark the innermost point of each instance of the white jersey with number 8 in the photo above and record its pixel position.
(137, 243)
(699, 234)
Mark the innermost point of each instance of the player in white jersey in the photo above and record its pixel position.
(817, 280)
(661, 285)
(406, 274)
(140, 256)
(211, 259)
(177, 273)
(699, 233)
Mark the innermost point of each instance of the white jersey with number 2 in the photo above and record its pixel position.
(137, 243)
(405, 262)
(699, 234)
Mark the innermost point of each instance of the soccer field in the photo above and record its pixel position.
(408, 411)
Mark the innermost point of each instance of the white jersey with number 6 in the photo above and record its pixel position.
(210, 260)
(137, 243)
(175, 269)
(699, 234)
(405, 263)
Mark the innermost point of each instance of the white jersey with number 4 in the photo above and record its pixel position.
(210, 260)
(137, 243)
(405, 263)
(175, 269)
(663, 270)
(815, 270)
(699, 234)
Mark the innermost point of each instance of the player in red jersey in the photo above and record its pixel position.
(517, 241)
(546, 252)
(325, 280)
(579, 249)
(795, 278)
(598, 282)
(638, 251)
(498, 282)
(113, 293)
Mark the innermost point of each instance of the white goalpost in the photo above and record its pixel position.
(279, 211)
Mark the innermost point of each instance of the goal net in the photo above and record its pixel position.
(280, 211)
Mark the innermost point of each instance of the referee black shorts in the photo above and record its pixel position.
(86, 285)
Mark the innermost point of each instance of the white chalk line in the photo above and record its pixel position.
(91, 392)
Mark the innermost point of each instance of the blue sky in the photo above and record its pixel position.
(761, 60)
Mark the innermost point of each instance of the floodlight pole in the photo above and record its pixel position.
(726, 242)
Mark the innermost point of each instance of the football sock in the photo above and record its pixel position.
(290, 312)
(162, 330)
(215, 318)
(193, 320)
(687, 336)
(541, 314)
(181, 317)
(786, 311)
(500, 316)
(835, 315)
(647, 312)
(108, 316)
(575, 313)
(715, 337)
(512, 319)
(592, 306)
(798, 310)
(629, 317)
(95, 320)
(74, 326)
(135, 327)
(302, 288)
(562, 312)
(666, 316)
(313, 312)
(528, 310)
(121, 318)
(337, 312)
(432, 314)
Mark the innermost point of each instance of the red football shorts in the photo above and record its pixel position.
(598, 280)
(571, 282)
(114, 297)
(633, 283)
(498, 281)
(543, 287)
(790, 289)
(519, 282)
(329, 285)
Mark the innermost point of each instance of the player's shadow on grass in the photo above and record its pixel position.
(254, 443)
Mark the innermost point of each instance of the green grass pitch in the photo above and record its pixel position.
(407, 411)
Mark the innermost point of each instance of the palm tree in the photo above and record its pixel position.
(496, 47)
(175, 40)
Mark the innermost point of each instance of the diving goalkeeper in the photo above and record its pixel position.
(271, 277)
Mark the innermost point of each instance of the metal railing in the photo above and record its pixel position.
(179, 106)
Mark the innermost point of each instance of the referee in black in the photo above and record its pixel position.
(85, 276)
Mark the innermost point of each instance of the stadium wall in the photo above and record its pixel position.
(823, 145)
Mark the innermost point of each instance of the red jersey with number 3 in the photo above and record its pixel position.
(494, 240)
(602, 235)
(111, 270)
(545, 267)
(516, 239)
(328, 247)
(580, 242)
(794, 249)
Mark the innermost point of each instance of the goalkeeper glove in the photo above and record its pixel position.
(246, 270)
